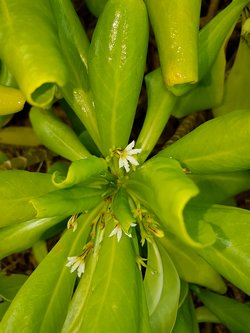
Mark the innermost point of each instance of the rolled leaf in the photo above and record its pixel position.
(11, 100)
(17, 188)
(117, 58)
(27, 38)
(164, 189)
(80, 171)
(211, 40)
(208, 93)
(177, 38)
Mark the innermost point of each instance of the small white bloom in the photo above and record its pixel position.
(125, 156)
(118, 232)
(77, 263)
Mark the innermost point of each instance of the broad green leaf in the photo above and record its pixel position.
(177, 38)
(19, 135)
(10, 284)
(6, 78)
(236, 86)
(117, 58)
(96, 6)
(219, 187)
(162, 287)
(40, 250)
(229, 255)
(73, 200)
(72, 36)
(74, 45)
(3, 308)
(204, 315)
(28, 37)
(109, 293)
(161, 103)
(191, 267)
(16, 190)
(218, 145)
(21, 236)
(163, 188)
(5, 119)
(42, 302)
(186, 320)
(234, 315)
(56, 135)
(80, 171)
(11, 100)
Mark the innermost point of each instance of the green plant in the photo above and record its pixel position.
(139, 229)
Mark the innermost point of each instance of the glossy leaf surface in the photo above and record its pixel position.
(109, 292)
(27, 37)
(67, 201)
(11, 100)
(177, 38)
(42, 302)
(117, 58)
(21, 236)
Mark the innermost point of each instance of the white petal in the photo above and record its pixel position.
(71, 261)
(123, 163)
(135, 151)
(130, 146)
(119, 233)
(132, 160)
(81, 269)
(75, 266)
(113, 232)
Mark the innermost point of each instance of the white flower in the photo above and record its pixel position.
(118, 232)
(125, 156)
(77, 263)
